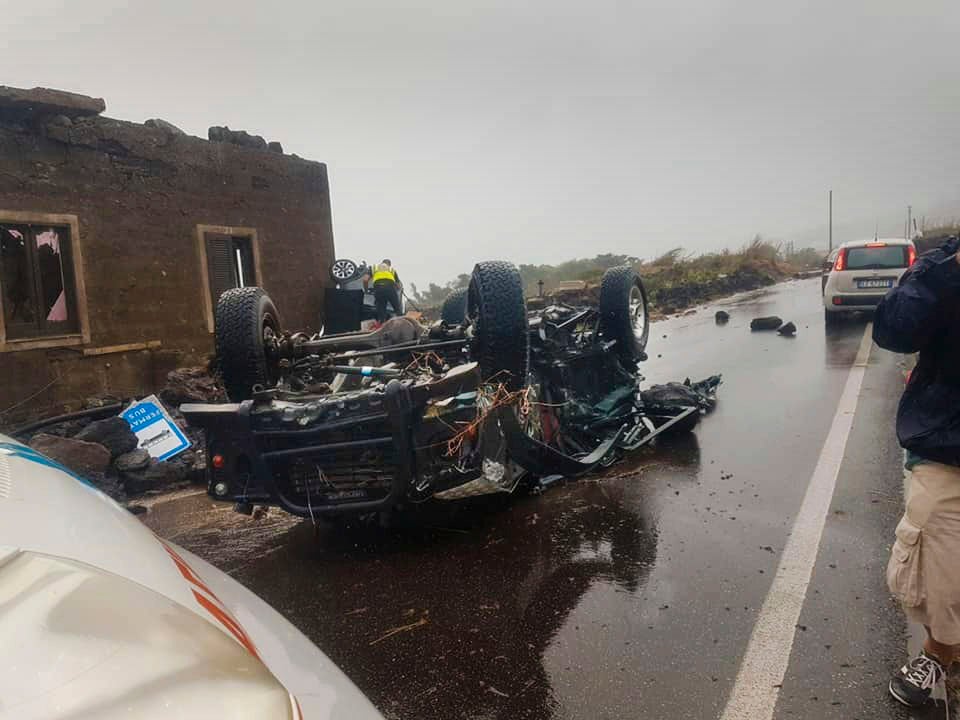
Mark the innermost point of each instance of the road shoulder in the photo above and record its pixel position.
(851, 634)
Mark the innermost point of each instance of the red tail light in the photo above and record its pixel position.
(841, 263)
(218, 462)
(911, 255)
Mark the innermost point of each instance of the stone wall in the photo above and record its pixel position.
(139, 193)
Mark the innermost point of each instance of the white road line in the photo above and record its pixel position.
(764, 665)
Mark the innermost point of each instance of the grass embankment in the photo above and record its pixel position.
(674, 281)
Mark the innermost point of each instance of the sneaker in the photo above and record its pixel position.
(915, 681)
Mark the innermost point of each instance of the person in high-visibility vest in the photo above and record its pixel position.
(386, 289)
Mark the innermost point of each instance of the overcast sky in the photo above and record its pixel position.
(538, 131)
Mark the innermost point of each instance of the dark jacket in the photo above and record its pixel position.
(922, 314)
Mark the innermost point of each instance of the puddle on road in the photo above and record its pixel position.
(477, 590)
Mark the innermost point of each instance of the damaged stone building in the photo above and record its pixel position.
(117, 238)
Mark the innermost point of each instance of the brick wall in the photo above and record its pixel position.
(139, 194)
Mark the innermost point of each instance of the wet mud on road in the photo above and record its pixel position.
(628, 594)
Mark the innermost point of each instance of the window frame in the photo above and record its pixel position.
(200, 237)
(82, 335)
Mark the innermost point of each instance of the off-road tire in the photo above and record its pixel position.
(242, 314)
(831, 319)
(616, 322)
(454, 310)
(498, 310)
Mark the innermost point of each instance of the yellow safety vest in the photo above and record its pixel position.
(384, 273)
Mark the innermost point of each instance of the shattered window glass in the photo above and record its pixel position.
(53, 299)
(36, 282)
(19, 309)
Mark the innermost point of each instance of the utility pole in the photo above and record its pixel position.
(830, 248)
(909, 211)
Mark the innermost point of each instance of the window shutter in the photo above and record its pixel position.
(220, 264)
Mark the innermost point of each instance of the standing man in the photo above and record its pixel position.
(386, 289)
(922, 315)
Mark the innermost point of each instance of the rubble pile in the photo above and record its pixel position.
(105, 452)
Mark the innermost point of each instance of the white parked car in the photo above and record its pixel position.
(862, 273)
(100, 618)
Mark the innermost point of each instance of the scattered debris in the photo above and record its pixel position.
(702, 394)
(192, 384)
(766, 323)
(722, 317)
(403, 628)
(788, 330)
(105, 452)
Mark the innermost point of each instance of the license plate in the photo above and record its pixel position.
(878, 283)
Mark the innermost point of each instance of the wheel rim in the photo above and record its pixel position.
(638, 315)
(343, 269)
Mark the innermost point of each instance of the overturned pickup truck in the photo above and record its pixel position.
(486, 400)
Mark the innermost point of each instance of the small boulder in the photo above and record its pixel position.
(722, 317)
(766, 323)
(275, 147)
(788, 330)
(113, 433)
(88, 459)
(158, 476)
(135, 460)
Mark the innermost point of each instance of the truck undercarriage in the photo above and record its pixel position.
(487, 399)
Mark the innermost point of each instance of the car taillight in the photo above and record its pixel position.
(841, 263)
(911, 255)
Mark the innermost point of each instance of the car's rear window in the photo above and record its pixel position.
(877, 258)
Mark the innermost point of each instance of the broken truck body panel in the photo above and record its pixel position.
(366, 422)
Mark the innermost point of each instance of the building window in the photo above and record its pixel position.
(229, 258)
(37, 282)
(229, 263)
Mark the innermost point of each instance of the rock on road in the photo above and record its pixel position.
(632, 594)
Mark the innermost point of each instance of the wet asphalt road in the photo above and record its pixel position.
(631, 594)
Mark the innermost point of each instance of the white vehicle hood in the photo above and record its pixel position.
(100, 618)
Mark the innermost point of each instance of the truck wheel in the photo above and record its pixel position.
(343, 270)
(246, 321)
(624, 316)
(498, 311)
(454, 310)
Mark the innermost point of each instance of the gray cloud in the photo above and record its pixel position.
(540, 131)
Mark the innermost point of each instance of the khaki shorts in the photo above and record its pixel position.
(924, 568)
